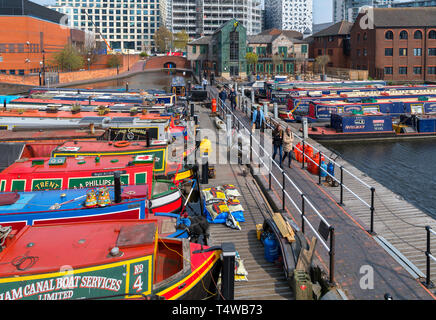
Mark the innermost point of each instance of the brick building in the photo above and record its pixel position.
(30, 35)
(333, 41)
(396, 43)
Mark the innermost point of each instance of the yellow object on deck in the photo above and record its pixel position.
(205, 146)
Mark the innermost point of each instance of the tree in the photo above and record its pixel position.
(114, 61)
(252, 59)
(322, 62)
(181, 40)
(163, 39)
(68, 58)
(143, 54)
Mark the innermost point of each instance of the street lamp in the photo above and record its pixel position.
(40, 73)
(43, 67)
(89, 64)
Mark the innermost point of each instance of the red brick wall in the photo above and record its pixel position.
(158, 62)
(334, 49)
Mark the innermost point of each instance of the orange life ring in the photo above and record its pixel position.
(121, 144)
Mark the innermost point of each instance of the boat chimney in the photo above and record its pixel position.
(92, 128)
(147, 137)
(117, 186)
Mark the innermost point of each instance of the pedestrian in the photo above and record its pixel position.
(223, 95)
(232, 98)
(258, 119)
(204, 83)
(288, 139)
(277, 136)
(212, 79)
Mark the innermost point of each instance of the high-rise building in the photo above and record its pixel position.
(120, 24)
(294, 15)
(203, 17)
(414, 3)
(349, 9)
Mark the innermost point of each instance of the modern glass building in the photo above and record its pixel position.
(349, 9)
(122, 25)
(296, 15)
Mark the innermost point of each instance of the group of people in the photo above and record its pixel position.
(282, 143)
(231, 96)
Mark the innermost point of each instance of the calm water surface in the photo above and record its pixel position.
(408, 168)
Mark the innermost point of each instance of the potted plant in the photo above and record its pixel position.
(133, 111)
(76, 108)
(52, 109)
(102, 110)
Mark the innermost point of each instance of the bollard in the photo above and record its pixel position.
(205, 169)
(127, 87)
(228, 273)
(192, 110)
(196, 119)
(252, 96)
(265, 109)
(276, 111)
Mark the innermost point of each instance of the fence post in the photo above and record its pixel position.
(283, 190)
(427, 254)
(319, 168)
(303, 154)
(371, 231)
(341, 201)
(302, 213)
(332, 255)
(251, 146)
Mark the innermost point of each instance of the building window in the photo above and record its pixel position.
(402, 70)
(358, 37)
(432, 34)
(283, 51)
(417, 34)
(11, 71)
(234, 46)
(331, 38)
(203, 49)
(389, 35)
(432, 51)
(320, 52)
(431, 70)
(194, 49)
(358, 52)
(417, 52)
(330, 52)
(365, 52)
(417, 70)
(389, 52)
(365, 36)
(388, 70)
(404, 35)
(403, 52)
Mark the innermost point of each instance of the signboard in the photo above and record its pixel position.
(96, 181)
(46, 184)
(130, 276)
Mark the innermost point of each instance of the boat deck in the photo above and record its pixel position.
(357, 251)
(266, 281)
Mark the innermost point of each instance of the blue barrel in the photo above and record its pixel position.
(331, 169)
(271, 248)
(324, 169)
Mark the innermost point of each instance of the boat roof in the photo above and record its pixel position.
(71, 164)
(393, 100)
(78, 245)
(109, 147)
(53, 134)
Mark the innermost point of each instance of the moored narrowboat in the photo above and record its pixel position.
(106, 260)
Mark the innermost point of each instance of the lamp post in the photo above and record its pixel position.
(89, 64)
(40, 73)
(43, 67)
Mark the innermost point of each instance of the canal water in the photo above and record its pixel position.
(149, 80)
(408, 168)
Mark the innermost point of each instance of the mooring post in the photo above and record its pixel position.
(228, 274)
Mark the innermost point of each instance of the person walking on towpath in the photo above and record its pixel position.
(278, 143)
(223, 95)
(232, 98)
(288, 139)
(204, 83)
(258, 119)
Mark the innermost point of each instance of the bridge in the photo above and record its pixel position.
(167, 62)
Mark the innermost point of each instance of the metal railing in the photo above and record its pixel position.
(429, 257)
(271, 122)
(305, 203)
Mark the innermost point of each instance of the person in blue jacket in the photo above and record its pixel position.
(223, 95)
(258, 118)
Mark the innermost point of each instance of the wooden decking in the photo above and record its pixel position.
(266, 280)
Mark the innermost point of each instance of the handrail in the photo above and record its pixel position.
(341, 182)
(221, 104)
(429, 256)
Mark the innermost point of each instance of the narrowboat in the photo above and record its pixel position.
(344, 127)
(60, 173)
(178, 86)
(104, 260)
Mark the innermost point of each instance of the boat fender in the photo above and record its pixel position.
(121, 144)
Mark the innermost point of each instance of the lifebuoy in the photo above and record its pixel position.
(121, 144)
